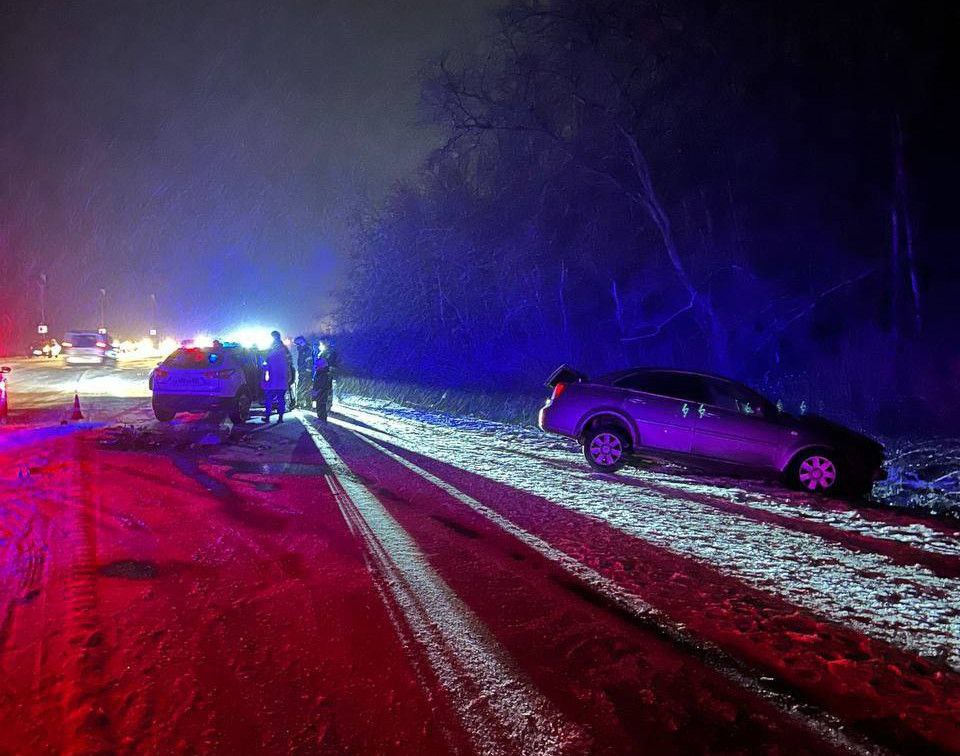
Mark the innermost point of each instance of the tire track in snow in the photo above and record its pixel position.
(920, 531)
(501, 712)
(847, 587)
(88, 721)
(942, 565)
(819, 722)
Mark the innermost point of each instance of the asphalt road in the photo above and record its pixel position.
(393, 582)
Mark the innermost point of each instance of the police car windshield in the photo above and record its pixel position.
(195, 358)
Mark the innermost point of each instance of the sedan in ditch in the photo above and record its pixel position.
(693, 418)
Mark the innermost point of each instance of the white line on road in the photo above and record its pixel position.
(501, 712)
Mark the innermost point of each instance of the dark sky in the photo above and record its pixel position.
(206, 151)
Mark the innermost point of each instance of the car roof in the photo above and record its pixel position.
(617, 375)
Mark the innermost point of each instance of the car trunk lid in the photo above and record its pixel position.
(565, 374)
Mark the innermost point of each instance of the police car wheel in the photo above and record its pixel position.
(241, 409)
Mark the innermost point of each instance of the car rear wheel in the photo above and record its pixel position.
(817, 472)
(163, 414)
(241, 409)
(605, 449)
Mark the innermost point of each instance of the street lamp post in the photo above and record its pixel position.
(42, 325)
(103, 301)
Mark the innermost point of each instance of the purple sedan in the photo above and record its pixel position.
(695, 418)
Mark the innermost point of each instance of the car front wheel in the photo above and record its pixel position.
(605, 449)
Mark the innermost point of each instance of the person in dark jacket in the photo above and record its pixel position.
(304, 372)
(322, 388)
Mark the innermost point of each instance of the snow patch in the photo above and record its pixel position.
(847, 587)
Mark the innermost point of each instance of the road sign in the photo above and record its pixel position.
(41, 329)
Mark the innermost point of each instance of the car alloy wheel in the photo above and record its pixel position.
(606, 450)
(817, 473)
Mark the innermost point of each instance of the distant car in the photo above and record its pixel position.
(692, 417)
(223, 379)
(4, 401)
(50, 349)
(88, 348)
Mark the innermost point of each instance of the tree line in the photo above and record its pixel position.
(736, 187)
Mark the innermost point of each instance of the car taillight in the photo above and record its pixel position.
(557, 390)
(221, 374)
(160, 373)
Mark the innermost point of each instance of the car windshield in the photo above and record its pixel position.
(194, 358)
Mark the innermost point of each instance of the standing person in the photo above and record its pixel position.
(304, 372)
(291, 374)
(322, 389)
(275, 380)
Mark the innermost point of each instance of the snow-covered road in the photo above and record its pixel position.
(402, 582)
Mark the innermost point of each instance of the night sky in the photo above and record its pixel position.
(211, 152)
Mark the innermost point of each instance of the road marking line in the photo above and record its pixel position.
(820, 722)
(501, 712)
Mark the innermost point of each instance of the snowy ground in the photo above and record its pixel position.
(923, 474)
(405, 582)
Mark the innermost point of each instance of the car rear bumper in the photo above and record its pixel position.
(547, 421)
(192, 402)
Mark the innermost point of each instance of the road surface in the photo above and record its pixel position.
(399, 582)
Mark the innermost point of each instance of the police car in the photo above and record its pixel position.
(221, 379)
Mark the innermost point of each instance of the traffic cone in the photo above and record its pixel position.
(77, 414)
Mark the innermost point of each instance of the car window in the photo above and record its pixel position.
(689, 388)
(736, 398)
(82, 339)
(641, 382)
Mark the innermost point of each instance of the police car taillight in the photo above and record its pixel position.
(557, 390)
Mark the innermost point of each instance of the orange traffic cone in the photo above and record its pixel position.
(77, 414)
